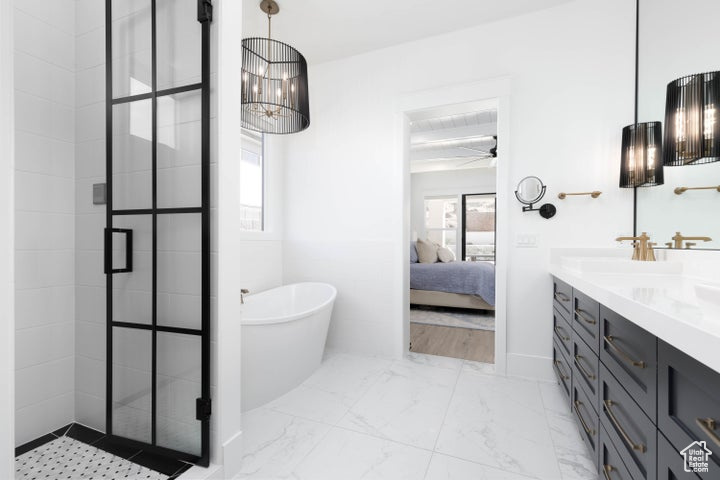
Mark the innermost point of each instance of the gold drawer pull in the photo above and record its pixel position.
(576, 405)
(561, 370)
(561, 296)
(579, 312)
(607, 404)
(582, 369)
(708, 425)
(606, 471)
(563, 337)
(610, 340)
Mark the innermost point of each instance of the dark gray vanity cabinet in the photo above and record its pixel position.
(638, 401)
(689, 403)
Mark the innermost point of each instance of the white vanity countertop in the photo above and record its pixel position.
(664, 304)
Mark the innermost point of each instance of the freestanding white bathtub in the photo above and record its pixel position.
(283, 338)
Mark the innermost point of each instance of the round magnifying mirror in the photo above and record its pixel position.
(530, 190)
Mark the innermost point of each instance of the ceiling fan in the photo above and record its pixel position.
(491, 153)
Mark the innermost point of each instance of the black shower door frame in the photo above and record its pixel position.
(203, 404)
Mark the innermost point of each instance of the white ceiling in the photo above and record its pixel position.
(453, 142)
(324, 30)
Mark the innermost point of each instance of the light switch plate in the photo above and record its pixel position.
(526, 240)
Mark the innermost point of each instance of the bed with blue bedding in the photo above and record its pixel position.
(453, 284)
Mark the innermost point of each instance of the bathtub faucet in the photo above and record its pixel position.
(243, 292)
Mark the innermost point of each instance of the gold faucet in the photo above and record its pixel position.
(678, 240)
(642, 248)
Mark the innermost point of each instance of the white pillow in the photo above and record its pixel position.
(445, 255)
(427, 251)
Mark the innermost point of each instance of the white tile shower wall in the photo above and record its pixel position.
(343, 178)
(89, 218)
(44, 228)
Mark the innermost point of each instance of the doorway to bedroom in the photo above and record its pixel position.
(453, 212)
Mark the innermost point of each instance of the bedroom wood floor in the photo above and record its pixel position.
(464, 343)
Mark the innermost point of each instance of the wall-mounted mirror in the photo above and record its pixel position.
(677, 39)
(531, 190)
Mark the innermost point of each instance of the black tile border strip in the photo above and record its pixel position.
(166, 466)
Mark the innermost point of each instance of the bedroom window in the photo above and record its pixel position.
(441, 221)
(478, 240)
(252, 182)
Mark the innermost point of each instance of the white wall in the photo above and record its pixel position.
(45, 206)
(571, 92)
(447, 182)
(7, 240)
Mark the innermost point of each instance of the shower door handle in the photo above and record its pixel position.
(128, 250)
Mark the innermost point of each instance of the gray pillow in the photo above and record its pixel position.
(427, 251)
(413, 253)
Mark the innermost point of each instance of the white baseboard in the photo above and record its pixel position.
(232, 456)
(530, 366)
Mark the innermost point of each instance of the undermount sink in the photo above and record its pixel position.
(618, 265)
(708, 300)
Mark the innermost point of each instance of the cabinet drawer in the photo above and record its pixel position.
(671, 464)
(586, 418)
(586, 370)
(630, 353)
(610, 463)
(562, 368)
(688, 402)
(563, 332)
(585, 319)
(562, 294)
(629, 429)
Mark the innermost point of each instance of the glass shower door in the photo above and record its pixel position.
(157, 236)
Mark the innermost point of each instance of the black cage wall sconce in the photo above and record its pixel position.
(692, 128)
(641, 151)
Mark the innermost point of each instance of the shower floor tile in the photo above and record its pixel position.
(68, 459)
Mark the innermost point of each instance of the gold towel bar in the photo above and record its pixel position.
(593, 194)
(681, 190)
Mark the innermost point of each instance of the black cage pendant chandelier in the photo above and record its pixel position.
(641, 157)
(274, 83)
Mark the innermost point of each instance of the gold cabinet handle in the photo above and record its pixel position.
(606, 469)
(610, 340)
(607, 405)
(561, 370)
(582, 369)
(576, 405)
(708, 425)
(561, 296)
(564, 337)
(579, 313)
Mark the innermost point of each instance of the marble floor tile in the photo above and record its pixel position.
(499, 422)
(470, 366)
(273, 443)
(433, 361)
(572, 455)
(346, 455)
(554, 399)
(443, 467)
(348, 375)
(407, 404)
